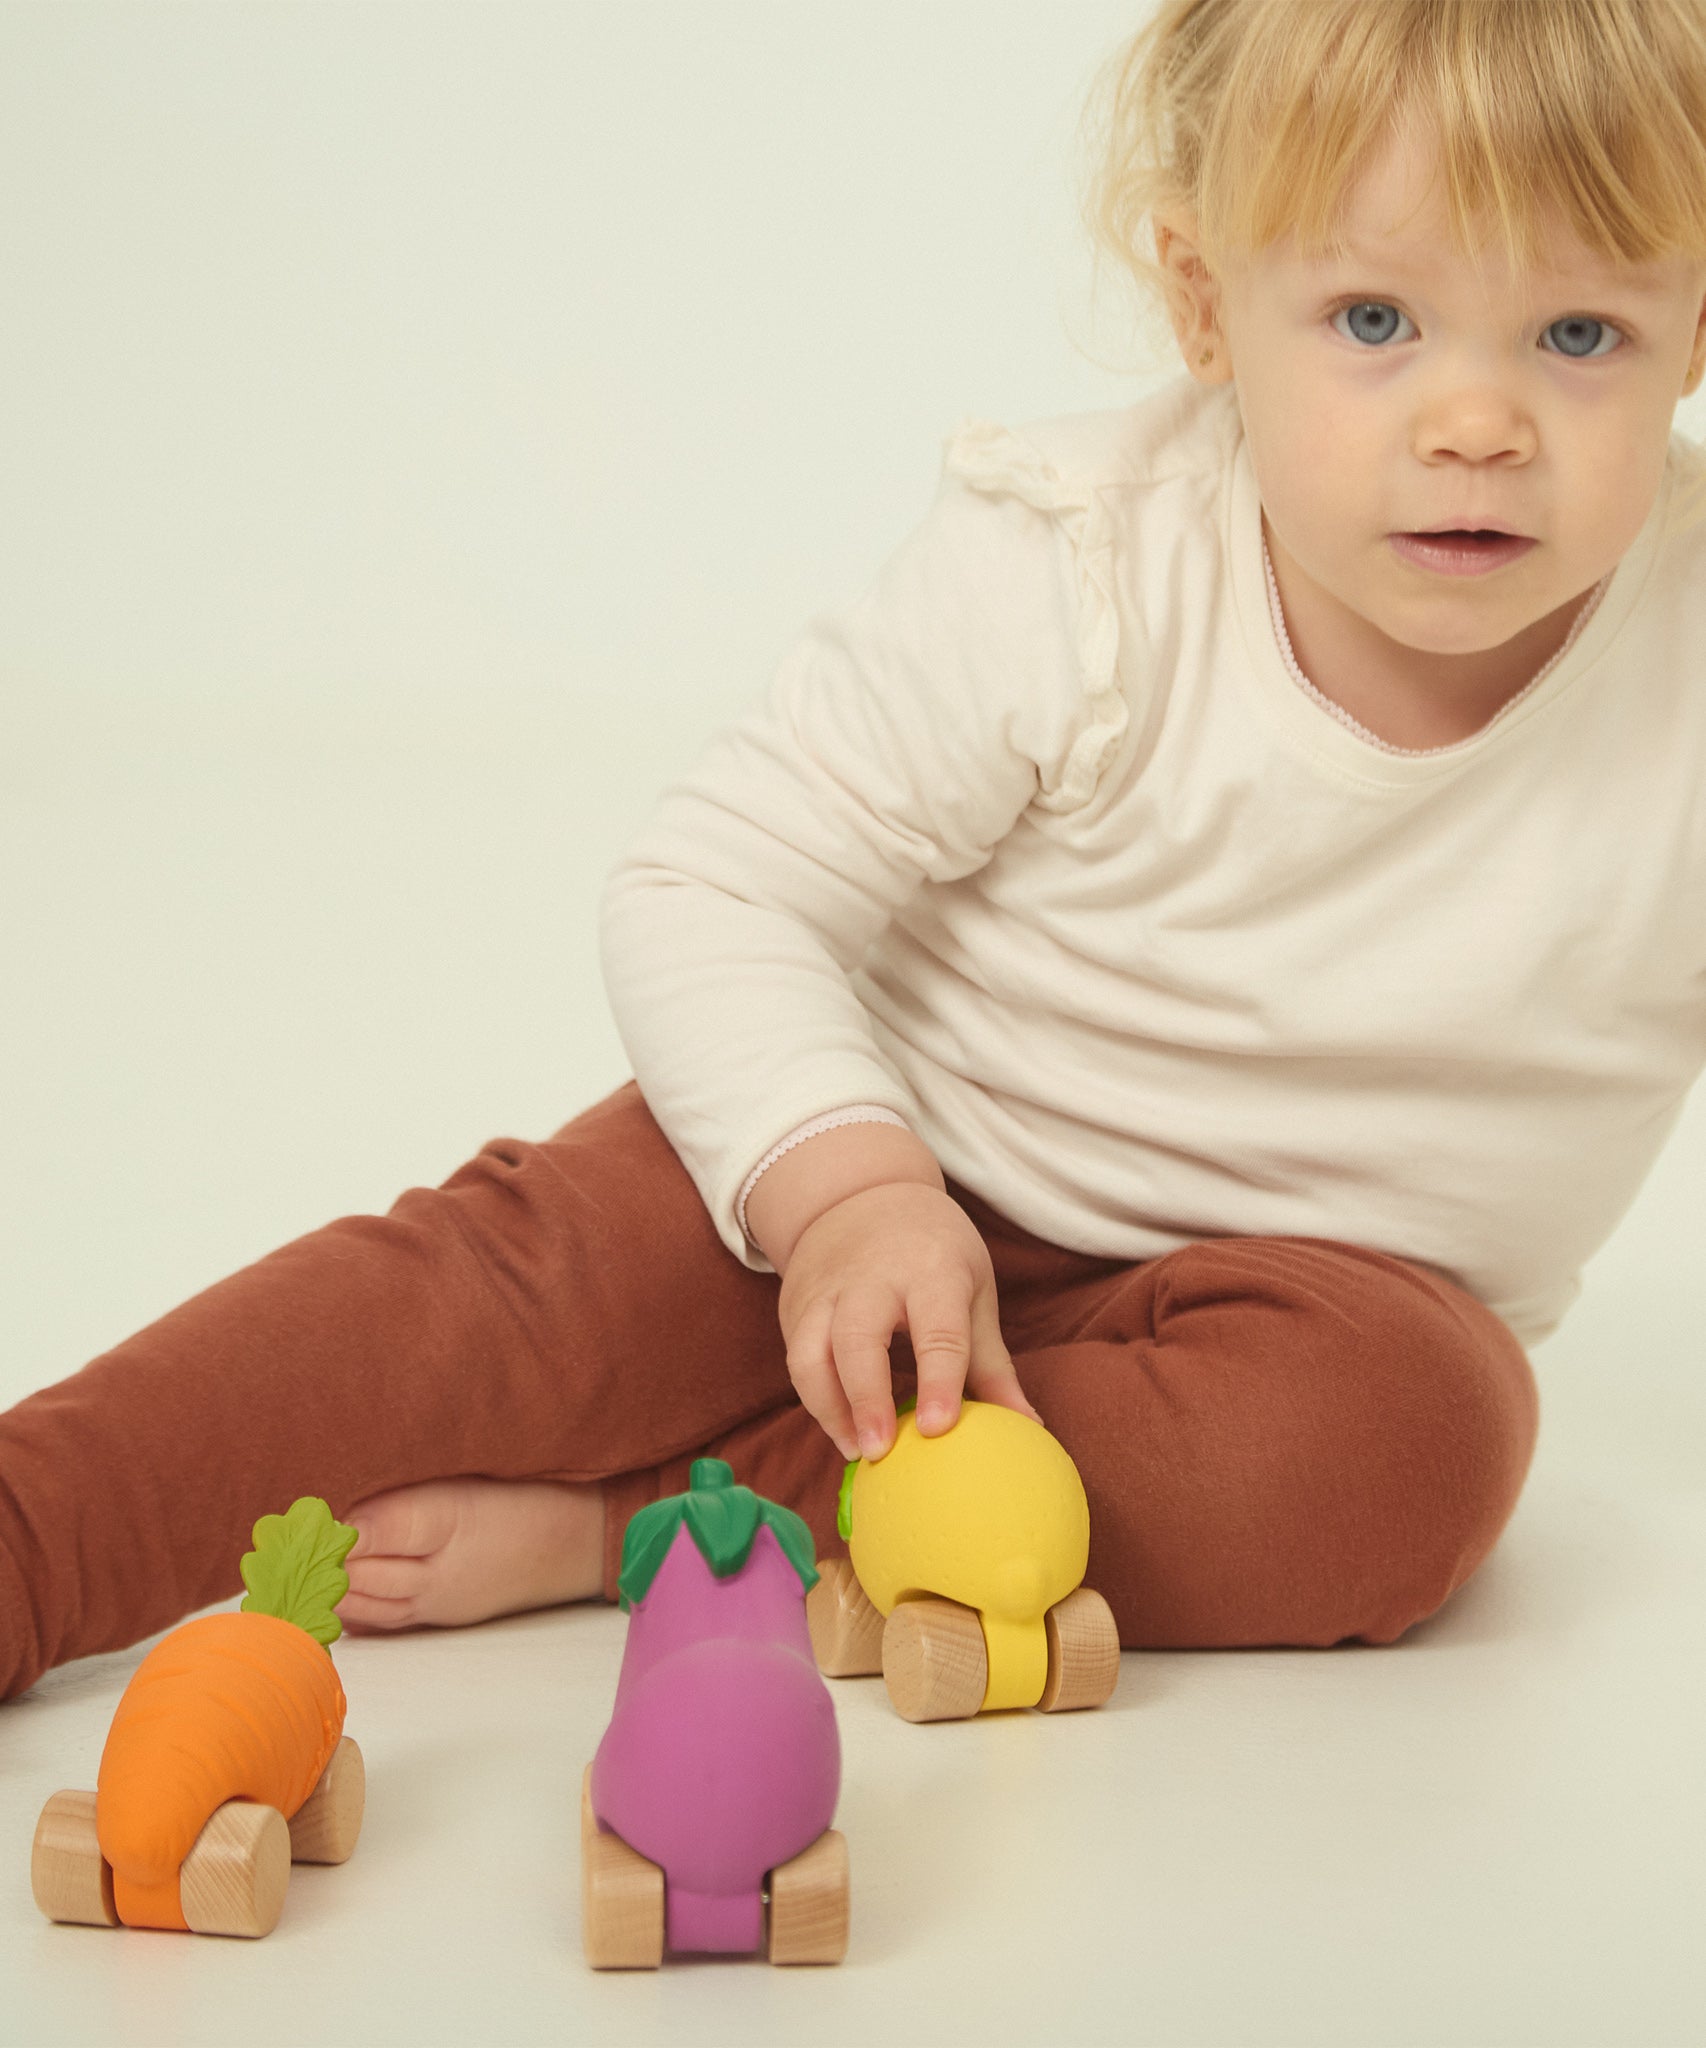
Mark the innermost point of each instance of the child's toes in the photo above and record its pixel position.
(386, 1578)
(409, 1521)
(365, 1614)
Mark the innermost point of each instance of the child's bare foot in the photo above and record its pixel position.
(451, 1551)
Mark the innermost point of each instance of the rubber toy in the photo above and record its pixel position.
(226, 1760)
(705, 1812)
(962, 1580)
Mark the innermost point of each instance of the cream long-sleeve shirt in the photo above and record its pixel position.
(1045, 846)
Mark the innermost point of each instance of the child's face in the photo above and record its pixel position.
(1404, 390)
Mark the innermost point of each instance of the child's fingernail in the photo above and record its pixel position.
(934, 1418)
(871, 1441)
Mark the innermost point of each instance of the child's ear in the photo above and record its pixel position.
(1193, 298)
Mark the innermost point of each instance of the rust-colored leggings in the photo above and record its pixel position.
(1283, 1440)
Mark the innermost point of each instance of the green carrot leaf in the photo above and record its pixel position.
(296, 1569)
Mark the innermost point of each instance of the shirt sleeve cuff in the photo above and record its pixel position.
(859, 1113)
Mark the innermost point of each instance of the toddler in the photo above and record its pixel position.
(1201, 953)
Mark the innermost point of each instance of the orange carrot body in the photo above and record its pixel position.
(230, 1706)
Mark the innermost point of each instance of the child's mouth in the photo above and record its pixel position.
(1460, 553)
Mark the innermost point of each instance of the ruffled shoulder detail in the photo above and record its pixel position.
(1000, 463)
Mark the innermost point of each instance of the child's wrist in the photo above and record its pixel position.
(815, 1175)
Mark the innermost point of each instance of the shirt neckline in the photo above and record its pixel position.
(1276, 613)
(1328, 732)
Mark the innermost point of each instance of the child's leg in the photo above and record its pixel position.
(562, 1310)
(1283, 1441)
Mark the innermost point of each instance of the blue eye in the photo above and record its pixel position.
(1584, 332)
(1360, 314)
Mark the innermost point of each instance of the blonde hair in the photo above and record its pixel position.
(1253, 118)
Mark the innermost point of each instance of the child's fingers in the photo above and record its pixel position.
(1001, 1388)
(859, 1336)
(993, 1376)
(938, 1320)
(811, 1367)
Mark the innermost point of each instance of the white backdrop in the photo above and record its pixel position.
(421, 426)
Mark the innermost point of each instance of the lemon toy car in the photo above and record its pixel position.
(962, 1583)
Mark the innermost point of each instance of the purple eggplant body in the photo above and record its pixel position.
(722, 1758)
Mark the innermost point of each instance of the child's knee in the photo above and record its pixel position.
(1415, 1427)
(1455, 1409)
(1316, 1445)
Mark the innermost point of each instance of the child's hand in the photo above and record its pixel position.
(899, 1256)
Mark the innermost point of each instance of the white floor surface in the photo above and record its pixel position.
(1487, 1835)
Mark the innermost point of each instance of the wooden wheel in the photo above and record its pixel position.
(810, 1903)
(1083, 1652)
(68, 1874)
(234, 1879)
(934, 1661)
(324, 1828)
(847, 1631)
(622, 1903)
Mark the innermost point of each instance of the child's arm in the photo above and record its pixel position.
(902, 741)
(899, 744)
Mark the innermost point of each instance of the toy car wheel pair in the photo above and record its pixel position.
(807, 1901)
(232, 1881)
(931, 1652)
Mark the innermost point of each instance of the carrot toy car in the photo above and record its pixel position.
(705, 1813)
(226, 1759)
(962, 1580)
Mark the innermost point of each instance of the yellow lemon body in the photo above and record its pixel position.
(992, 1515)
